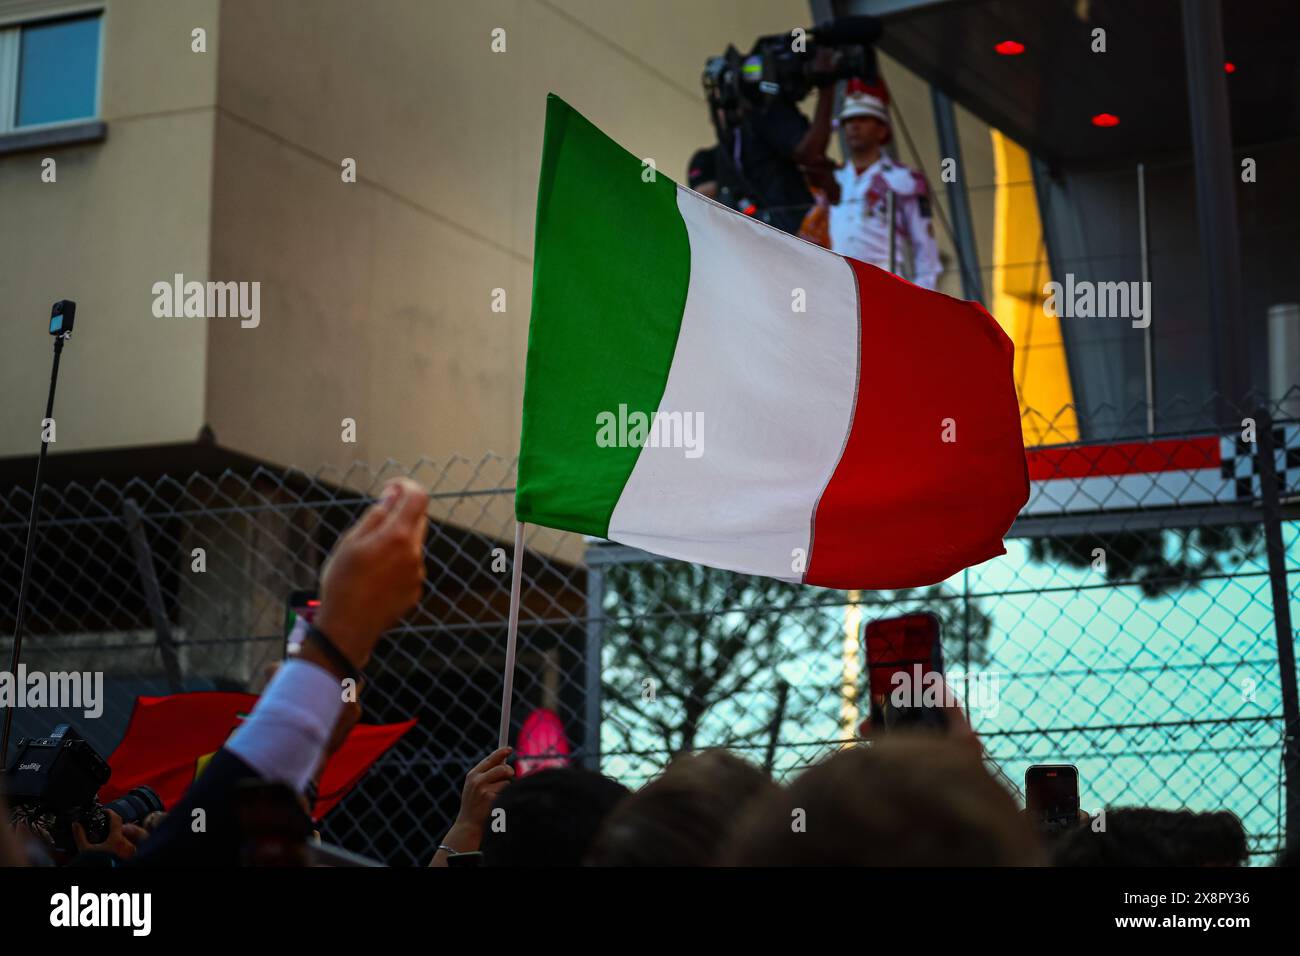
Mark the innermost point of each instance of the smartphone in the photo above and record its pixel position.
(1052, 795)
(905, 673)
(300, 611)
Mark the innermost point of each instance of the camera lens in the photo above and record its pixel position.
(134, 805)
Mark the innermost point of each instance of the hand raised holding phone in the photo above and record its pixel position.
(375, 573)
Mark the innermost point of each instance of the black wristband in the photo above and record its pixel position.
(331, 650)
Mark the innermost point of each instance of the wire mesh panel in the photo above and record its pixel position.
(224, 553)
(1129, 630)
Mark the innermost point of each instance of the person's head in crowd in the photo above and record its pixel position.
(908, 800)
(702, 172)
(1144, 836)
(682, 818)
(550, 818)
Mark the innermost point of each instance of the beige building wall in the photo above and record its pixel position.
(123, 213)
(376, 297)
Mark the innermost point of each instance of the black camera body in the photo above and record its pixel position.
(52, 783)
(778, 66)
(62, 316)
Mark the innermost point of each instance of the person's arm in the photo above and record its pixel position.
(203, 829)
(816, 140)
(811, 153)
(284, 738)
(482, 784)
(349, 716)
(925, 247)
(373, 576)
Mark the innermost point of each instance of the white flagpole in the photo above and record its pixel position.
(512, 636)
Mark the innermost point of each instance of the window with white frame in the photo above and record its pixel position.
(49, 72)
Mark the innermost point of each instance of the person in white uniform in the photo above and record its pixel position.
(859, 192)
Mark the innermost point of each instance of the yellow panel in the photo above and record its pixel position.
(1020, 270)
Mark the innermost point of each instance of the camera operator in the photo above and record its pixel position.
(758, 164)
(858, 191)
(761, 136)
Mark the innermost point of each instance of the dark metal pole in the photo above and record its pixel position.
(595, 642)
(1265, 451)
(1216, 199)
(774, 728)
(945, 122)
(31, 545)
(153, 593)
(1148, 345)
(966, 643)
(893, 231)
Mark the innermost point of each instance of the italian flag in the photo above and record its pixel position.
(708, 388)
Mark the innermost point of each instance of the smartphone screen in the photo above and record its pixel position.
(300, 611)
(905, 672)
(1052, 793)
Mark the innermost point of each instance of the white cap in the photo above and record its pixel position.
(864, 104)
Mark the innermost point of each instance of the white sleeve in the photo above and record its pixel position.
(284, 738)
(925, 248)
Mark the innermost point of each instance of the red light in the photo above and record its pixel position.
(1229, 67)
(750, 209)
(1010, 48)
(1105, 119)
(313, 603)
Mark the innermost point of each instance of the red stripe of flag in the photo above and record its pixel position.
(904, 507)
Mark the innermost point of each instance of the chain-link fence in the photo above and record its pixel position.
(1130, 629)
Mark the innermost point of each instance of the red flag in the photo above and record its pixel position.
(168, 738)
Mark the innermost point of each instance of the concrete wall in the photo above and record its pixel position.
(123, 214)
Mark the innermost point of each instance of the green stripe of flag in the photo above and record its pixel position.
(611, 264)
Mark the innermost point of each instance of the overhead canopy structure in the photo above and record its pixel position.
(1188, 90)
(1046, 96)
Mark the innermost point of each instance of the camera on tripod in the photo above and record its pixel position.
(52, 781)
